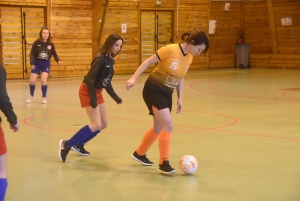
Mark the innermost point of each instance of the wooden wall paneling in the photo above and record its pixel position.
(34, 21)
(72, 3)
(128, 59)
(193, 15)
(272, 26)
(148, 45)
(24, 42)
(123, 4)
(257, 28)
(275, 60)
(164, 28)
(48, 13)
(243, 16)
(222, 51)
(288, 37)
(191, 21)
(98, 19)
(207, 31)
(24, 2)
(151, 4)
(72, 36)
(156, 31)
(11, 33)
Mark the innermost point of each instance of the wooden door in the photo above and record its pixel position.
(148, 31)
(33, 21)
(19, 28)
(164, 29)
(156, 31)
(11, 35)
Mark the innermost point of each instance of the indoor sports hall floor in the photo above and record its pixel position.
(243, 126)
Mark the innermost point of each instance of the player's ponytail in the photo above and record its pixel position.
(183, 36)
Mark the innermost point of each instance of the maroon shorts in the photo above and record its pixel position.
(85, 97)
(3, 149)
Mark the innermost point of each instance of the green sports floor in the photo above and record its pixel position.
(243, 126)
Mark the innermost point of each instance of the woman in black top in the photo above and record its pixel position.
(40, 55)
(7, 109)
(90, 94)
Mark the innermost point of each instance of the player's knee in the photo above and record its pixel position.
(103, 126)
(168, 127)
(157, 131)
(100, 126)
(3, 171)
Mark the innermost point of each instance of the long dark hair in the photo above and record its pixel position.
(196, 38)
(41, 37)
(109, 42)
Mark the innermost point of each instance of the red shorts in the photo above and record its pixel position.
(85, 97)
(3, 149)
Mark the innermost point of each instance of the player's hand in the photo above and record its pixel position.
(179, 106)
(130, 83)
(33, 67)
(15, 127)
(59, 63)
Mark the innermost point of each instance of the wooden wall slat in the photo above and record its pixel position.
(256, 18)
(222, 50)
(11, 37)
(275, 60)
(24, 2)
(72, 27)
(287, 36)
(131, 37)
(193, 15)
(72, 30)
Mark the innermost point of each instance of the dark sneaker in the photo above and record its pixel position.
(142, 159)
(165, 168)
(80, 150)
(63, 150)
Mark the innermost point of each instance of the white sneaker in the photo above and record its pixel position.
(30, 99)
(44, 100)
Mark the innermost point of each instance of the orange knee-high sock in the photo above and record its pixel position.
(148, 139)
(164, 146)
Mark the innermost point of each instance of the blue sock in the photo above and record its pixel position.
(88, 138)
(32, 88)
(3, 187)
(44, 90)
(82, 134)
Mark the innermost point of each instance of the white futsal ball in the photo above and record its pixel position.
(188, 164)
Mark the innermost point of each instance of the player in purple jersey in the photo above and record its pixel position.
(40, 55)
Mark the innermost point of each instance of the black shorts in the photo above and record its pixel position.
(155, 98)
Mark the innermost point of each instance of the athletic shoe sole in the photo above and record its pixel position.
(167, 173)
(136, 159)
(73, 149)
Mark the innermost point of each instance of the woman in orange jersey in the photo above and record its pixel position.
(173, 63)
